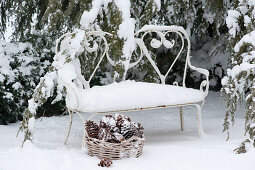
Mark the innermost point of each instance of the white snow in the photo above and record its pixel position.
(166, 147)
(162, 28)
(110, 121)
(6, 52)
(247, 20)
(248, 38)
(32, 106)
(131, 95)
(31, 124)
(158, 4)
(126, 31)
(236, 70)
(232, 22)
(5, 68)
(17, 85)
(88, 17)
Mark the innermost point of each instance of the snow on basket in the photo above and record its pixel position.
(115, 137)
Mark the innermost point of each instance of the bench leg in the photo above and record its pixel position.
(199, 120)
(84, 122)
(70, 125)
(181, 118)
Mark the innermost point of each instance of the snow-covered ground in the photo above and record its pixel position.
(167, 148)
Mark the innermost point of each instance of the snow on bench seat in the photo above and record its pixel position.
(134, 95)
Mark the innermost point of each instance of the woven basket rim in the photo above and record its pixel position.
(122, 142)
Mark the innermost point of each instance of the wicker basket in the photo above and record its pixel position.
(130, 148)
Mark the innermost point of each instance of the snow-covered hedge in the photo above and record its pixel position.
(20, 70)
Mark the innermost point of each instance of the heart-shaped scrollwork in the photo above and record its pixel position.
(95, 46)
(155, 43)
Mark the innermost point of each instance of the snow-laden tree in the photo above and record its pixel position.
(239, 84)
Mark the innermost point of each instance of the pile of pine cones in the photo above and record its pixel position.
(114, 129)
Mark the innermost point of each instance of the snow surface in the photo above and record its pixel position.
(130, 95)
(166, 148)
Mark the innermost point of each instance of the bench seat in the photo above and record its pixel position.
(129, 94)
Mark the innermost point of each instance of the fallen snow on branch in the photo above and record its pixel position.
(248, 39)
(232, 22)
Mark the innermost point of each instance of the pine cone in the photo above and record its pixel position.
(105, 135)
(105, 162)
(119, 122)
(123, 123)
(121, 118)
(131, 131)
(108, 121)
(92, 129)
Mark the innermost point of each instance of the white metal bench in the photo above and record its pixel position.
(129, 95)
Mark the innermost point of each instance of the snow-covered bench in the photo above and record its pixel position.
(129, 95)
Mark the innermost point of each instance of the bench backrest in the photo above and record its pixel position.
(161, 31)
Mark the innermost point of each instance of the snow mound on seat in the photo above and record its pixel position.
(130, 95)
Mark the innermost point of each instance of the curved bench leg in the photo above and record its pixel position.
(70, 125)
(199, 120)
(181, 118)
(83, 144)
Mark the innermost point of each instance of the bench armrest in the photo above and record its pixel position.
(204, 83)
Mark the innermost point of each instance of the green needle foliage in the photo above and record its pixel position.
(239, 84)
